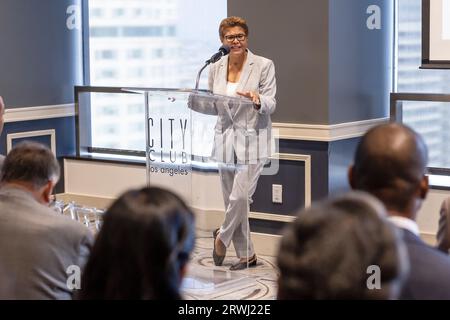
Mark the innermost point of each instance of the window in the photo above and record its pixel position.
(432, 120)
(105, 55)
(137, 12)
(158, 53)
(107, 32)
(96, 12)
(109, 129)
(106, 74)
(135, 109)
(118, 12)
(109, 111)
(145, 43)
(135, 54)
(135, 72)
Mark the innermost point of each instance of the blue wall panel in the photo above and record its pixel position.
(64, 134)
(40, 57)
(360, 60)
(45, 140)
(291, 175)
(266, 226)
(341, 157)
(319, 163)
(64, 128)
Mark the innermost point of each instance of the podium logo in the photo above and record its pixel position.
(167, 140)
(174, 143)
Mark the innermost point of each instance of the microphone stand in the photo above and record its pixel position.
(199, 73)
(223, 51)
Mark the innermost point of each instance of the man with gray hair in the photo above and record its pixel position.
(37, 246)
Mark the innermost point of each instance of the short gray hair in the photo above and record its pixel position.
(30, 162)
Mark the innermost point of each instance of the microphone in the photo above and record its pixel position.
(223, 51)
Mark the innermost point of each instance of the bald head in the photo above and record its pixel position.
(390, 162)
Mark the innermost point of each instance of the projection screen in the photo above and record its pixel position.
(436, 32)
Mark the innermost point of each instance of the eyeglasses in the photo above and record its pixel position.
(239, 37)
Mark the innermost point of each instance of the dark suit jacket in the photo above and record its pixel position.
(429, 276)
(36, 247)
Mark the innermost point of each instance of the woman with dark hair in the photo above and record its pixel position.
(142, 249)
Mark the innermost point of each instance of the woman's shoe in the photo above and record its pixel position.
(245, 264)
(218, 260)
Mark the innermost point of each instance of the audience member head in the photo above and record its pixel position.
(31, 166)
(2, 113)
(390, 162)
(329, 251)
(142, 249)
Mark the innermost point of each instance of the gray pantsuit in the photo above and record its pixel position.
(243, 137)
(238, 185)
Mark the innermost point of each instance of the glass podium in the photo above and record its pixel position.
(207, 149)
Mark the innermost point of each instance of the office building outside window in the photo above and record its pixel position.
(145, 43)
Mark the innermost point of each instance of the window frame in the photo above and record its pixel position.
(108, 154)
(396, 111)
(396, 97)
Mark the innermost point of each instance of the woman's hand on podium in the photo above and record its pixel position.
(254, 96)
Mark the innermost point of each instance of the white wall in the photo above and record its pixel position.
(100, 179)
(109, 180)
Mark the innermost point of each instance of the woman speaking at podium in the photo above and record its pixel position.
(242, 73)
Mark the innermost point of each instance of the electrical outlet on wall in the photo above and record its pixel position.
(277, 193)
